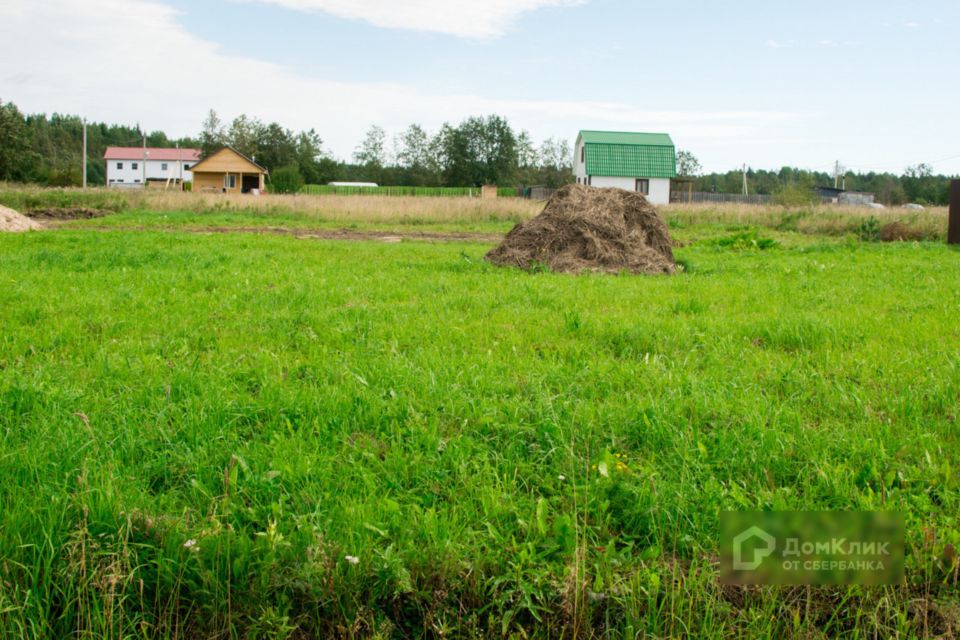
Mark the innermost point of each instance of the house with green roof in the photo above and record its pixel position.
(644, 162)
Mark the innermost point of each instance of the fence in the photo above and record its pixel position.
(729, 198)
(540, 193)
(426, 192)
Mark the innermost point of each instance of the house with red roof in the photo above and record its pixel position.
(148, 166)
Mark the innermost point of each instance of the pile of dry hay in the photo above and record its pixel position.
(10, 220)
(588, 229)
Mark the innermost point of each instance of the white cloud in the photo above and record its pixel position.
(912, 25)
(779, 44)
(462, 18)
(130, 61)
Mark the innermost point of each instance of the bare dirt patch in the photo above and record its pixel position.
(588, 229)
(321, 234)
(11, 220)
(66, 213)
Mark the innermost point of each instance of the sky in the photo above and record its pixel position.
(871, 84)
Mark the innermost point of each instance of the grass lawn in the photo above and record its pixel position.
(250, 436)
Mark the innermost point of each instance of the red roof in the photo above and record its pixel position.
(153, 153)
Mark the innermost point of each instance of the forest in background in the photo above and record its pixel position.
(47, 150)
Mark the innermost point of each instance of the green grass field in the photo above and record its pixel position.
(247, 436)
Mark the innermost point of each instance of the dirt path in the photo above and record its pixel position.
(316, 234)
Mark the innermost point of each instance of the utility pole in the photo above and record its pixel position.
(144, 162)
(745, 179)
(84, 180)
(836, 175)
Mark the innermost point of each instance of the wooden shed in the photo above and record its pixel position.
(228, 171)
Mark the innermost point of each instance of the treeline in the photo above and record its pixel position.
(918, 184)
(479, 150)
(49, 150)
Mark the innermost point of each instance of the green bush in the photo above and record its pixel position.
(749, 239)
(869, 229)
(795, 195)
(286, 180)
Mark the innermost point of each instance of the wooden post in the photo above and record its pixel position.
(953, 231)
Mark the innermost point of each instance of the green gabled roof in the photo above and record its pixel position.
(629, 155)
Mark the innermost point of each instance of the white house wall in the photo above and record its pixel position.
(659, 191)
(630, 184)
(579, 166)
(155, 171)
(659, 187)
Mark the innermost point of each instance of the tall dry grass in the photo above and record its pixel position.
(822, 219)
(350, 208)
(338, 208)
(833, 220)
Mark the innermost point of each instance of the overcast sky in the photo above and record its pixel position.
(873, 84)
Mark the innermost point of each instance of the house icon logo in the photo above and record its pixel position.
(767, 544)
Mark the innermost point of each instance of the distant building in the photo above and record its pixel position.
(842, 196)
(228, 171)
(138, 166)
(828, 193)
(643, 162)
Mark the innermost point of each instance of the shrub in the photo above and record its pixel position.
(749, 239)
(286, 180)
(869, 229)
(795, 195)
(898, 232)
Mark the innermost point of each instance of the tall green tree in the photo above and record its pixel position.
(688, 166)
(245, 134)
(14, 143)
(415, 156)
(211, 135)
(556, 162)
(372, 152)
(479, 151)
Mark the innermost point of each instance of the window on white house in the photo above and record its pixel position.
(119, 165)
(134, 165)
(582, 153)
(590, 180)
(643, 186)
(185, 166)
(163, 166)
(137, 180)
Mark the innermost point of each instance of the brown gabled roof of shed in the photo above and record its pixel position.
(199, 166)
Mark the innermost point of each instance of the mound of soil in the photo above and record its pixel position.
(66, 213)
(10, 220)
(899, 232)
(588, 229)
